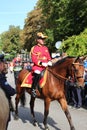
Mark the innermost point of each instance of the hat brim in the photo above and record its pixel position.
(39, 37)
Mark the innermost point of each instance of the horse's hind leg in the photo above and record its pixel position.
(16, 106)
(32, 100)
(64, 106)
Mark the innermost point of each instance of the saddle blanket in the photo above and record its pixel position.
(27, 82)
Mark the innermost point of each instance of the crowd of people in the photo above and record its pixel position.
(77, 96)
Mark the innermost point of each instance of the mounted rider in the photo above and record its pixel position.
(41, 58)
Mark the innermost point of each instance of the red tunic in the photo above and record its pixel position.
(39, 53)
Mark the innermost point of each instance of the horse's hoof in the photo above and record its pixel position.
(73, 128)
(46, 128)
(16, 117)
(35, 123)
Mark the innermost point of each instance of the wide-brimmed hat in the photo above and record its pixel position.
(40, 35)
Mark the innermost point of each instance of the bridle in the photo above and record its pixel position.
(76, 77)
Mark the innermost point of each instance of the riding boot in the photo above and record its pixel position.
(36, 79)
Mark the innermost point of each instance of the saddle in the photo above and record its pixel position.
(28, 80)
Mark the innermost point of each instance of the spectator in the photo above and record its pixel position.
(85, 80)
(9, 91)
(74, 94)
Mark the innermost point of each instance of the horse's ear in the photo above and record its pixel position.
(80, 59)
(83, 58)
(76, 59)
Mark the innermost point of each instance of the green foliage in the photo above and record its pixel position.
(33, 24)
(76, 45)
(9, 57)
(10, 40)
(76, 16)
(65, 17)
(49, 41)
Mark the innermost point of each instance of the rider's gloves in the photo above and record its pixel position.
(44, 64)
(49, 63)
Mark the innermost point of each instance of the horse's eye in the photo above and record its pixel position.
(76, 70)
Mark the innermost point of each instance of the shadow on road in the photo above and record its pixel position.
(25, 115)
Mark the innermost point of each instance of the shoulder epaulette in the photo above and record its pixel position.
(32, 51)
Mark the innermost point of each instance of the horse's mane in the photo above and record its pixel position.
(62, 60)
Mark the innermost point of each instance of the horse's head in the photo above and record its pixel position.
(70, 67)
(78, 72)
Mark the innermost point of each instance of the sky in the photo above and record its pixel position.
(14, 12)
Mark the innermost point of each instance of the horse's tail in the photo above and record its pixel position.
(20, 91)
(23, 99)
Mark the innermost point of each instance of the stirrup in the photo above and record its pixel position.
(34, 93)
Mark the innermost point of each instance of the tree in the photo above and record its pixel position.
(65, 17)
(11, 40)
(76, 45)
(59, 19)
(34, 22)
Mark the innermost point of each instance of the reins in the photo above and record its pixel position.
(57, 75)
(62, 77)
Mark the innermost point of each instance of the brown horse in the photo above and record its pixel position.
(4, 111)
(54, 88)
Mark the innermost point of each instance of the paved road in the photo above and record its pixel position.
(56, 119)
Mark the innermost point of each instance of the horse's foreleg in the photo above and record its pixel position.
(32, 101)
(64, 106)
(46, 112)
